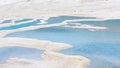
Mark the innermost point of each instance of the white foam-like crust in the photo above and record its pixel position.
(50, 60)
(36, 8)
(53, 58)
(13, 23)
(63, 24)
(33, 43)
(84, 26)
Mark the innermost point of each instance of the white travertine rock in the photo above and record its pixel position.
(38, 8)
(66, 61)
(33, 43)
(50, 60)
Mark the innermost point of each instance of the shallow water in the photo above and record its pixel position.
(27, 24)
(114, 25)
(102, 47)
(19, 52)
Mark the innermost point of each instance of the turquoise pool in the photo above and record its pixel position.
(102, 47)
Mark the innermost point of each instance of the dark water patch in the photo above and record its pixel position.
(23, 20)
(60, 19)
(6, 21)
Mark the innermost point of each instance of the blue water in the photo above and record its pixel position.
(114, 25)
(27, 24)
(102, 47)
(19, 52)
(60, 19)
(16, 21)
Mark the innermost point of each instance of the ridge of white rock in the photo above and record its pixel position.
(33, 43)
(50, 57)
(50, 60)
(108, 9)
